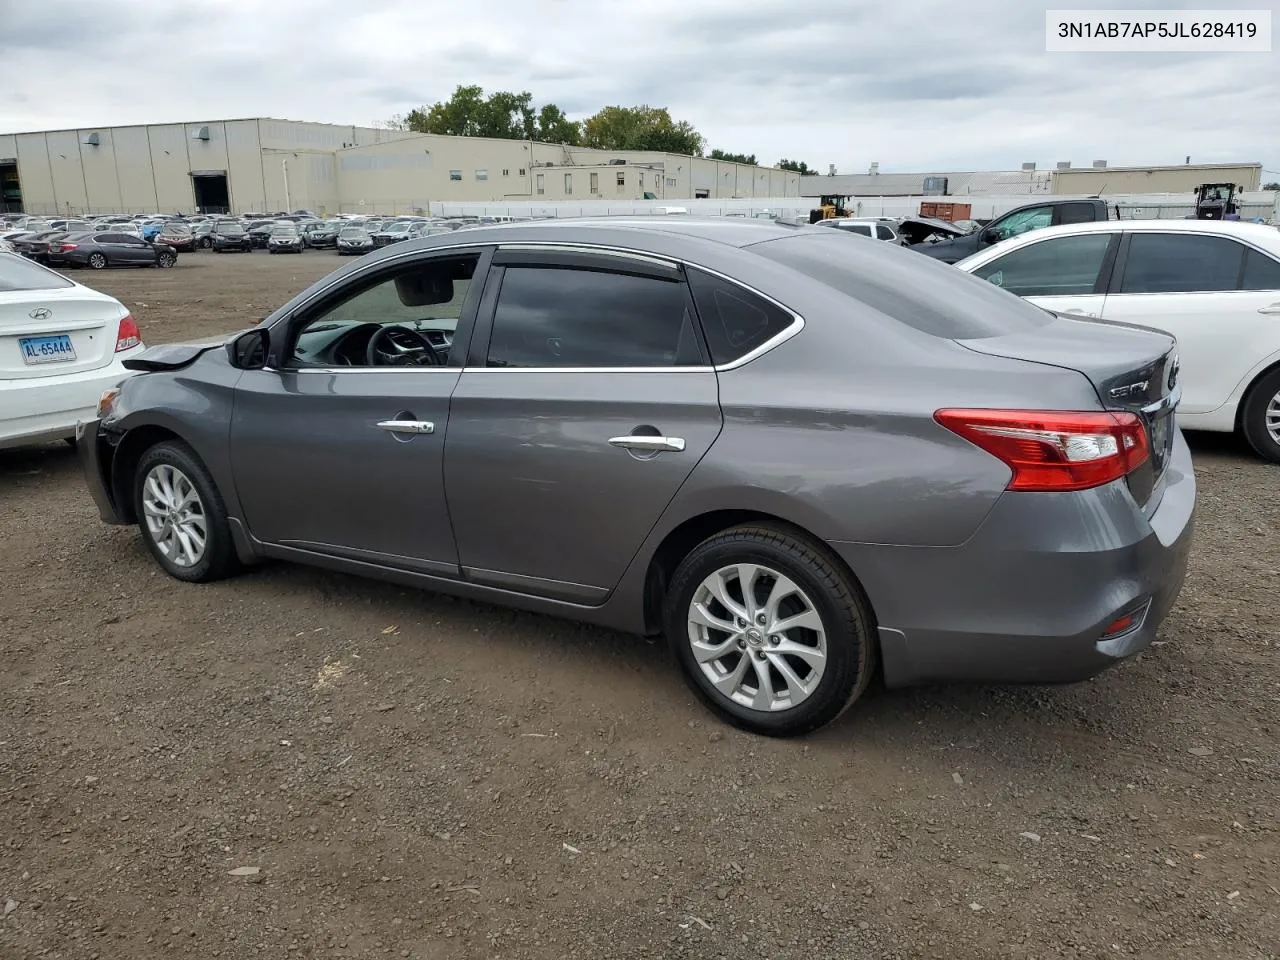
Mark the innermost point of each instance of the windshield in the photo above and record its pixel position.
(354, 233)
(18, 273)
(284, 230)
(230, 229)
(397, 228)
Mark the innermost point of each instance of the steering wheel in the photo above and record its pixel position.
(397, 346)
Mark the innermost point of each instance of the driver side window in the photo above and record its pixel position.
(1022, 221)
(402, 319)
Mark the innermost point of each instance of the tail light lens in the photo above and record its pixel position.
(65, 247)
(129, 335)
(1050, 450)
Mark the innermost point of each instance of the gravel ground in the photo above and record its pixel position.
(299, 763)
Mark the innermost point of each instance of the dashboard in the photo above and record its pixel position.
(347, 344)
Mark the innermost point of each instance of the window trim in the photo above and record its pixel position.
(477, 354)
(1122, 260)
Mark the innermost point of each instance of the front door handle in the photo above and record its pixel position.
(1271, 308)
(415, 427)
(649, 444)
(1080, 313)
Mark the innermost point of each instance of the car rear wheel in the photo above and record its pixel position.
(1260, 418)
(181, 515)
(769, 631)
(165, 261)
(97, 261)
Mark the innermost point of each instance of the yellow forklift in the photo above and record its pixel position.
(832, 206)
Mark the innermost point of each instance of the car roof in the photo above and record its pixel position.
(733, 232)
(1258, 232)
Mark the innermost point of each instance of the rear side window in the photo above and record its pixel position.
(1076, 213)
(1260, 272)
(862, 228)
(1181, 263)
(883, 232)
(1058, 267)
(561, 317)
(912, 288)
(17, 273)
(734, 321)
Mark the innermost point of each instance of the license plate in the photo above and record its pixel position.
(46, 349)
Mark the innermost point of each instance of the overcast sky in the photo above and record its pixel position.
(916, 85)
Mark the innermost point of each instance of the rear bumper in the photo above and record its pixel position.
(1028, 598)
(43, 409)
(95, 461)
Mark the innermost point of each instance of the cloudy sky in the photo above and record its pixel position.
(912, 84)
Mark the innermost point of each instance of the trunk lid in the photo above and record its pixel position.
(1132, 369)
(34, 322)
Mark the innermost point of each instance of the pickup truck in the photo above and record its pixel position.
(1033, 216)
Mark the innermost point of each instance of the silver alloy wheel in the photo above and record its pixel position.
(174, 515)
(1271, 417)
(757, 637)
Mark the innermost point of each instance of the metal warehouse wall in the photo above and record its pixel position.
(148, 168)
(1109, 180)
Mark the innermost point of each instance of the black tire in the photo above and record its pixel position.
(165, 261)
(1253, 416)
(845, 613)
(219, 559)
(97, 261)
(206, 243)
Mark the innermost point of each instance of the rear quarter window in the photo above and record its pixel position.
(18, 273)
(912, 288)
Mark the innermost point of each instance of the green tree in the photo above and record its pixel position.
(797, 166)
(1273, 185)
(554, 127)
(748, 158)
(503, 114)
(640, 128)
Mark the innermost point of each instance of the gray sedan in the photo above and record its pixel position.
(801, 459)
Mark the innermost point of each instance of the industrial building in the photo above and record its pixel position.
(265, 164)
(1099, 178)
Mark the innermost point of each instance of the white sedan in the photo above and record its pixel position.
(61, 346)
(1213, 284)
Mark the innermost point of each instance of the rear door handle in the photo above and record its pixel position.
(651, 444)
(1271, 308)
(416, 427)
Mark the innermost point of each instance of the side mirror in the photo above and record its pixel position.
(248, 351)
(989, 235)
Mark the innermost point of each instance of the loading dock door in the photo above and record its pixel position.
(10, 187)
(211, 192)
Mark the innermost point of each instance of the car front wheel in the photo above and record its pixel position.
(181, 515)
(1260, 417)
(771, 633)
(97, 261)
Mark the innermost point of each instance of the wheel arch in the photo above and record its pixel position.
(124, 464)
(1247, 393)
(681, 540)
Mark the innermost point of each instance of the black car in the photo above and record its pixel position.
(228, 235)
(260, 232)
(105, 249)
(321, 234)
(353, 241)
(35, 246)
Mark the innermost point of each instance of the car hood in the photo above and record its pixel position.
(175, 356)
(918, 229)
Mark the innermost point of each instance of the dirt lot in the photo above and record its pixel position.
(416, 776)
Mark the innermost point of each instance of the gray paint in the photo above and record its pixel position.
(518, 498)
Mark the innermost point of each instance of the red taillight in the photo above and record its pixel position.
(65, 247)
(1050, 450)
(129, 335)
